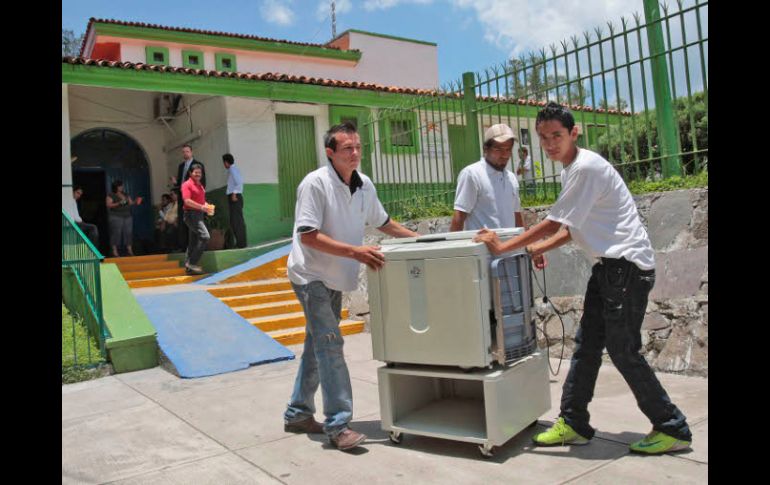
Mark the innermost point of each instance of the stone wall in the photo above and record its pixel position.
(675, 329)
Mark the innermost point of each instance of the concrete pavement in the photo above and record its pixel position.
(152, 427)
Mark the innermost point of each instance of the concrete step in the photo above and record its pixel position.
(169, 280)
(267, 309)
(259, 298)
(153, 265)
(282, 322)
(293, 337)
(137, 259)
(155, 273)
(265, 286)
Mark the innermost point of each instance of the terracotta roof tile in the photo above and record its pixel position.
(199, 31)
(288, 78)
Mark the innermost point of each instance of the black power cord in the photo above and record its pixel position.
(542, 330)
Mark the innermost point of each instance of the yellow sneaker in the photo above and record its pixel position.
(657, 442)
(559, 434)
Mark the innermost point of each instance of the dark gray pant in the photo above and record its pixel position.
(198, 236)
(613, 312)
(91, 232)
(237, 224)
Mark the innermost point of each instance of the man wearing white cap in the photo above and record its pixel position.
(487, 193)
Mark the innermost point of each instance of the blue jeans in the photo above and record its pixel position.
(322, 361)
(614, 307)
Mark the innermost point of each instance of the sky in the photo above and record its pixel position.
(472, 35)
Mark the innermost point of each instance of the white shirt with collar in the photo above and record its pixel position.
(325, 203)
(70, 206)
(234, 180)
(601, 213)
(489, 196)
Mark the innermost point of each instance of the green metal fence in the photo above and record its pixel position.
(79, 256)
(638, 91)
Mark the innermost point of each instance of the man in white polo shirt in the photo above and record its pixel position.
(487, 193)
(334, 204)
(597, 211)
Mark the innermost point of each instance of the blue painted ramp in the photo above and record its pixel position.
(202, 336)
(268, 257)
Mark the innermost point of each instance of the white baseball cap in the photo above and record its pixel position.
(500, 133)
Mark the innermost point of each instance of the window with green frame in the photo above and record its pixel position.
(399, 134)
(225, 62)
(192, 59)
(156, 55)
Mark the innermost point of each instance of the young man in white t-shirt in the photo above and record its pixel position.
(597, 211)
(526, 171)
(334, 204)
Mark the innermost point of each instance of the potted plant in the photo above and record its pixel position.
(217, 225)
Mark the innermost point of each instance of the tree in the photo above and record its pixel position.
(70, 45)
(623, 105)
(527, 82)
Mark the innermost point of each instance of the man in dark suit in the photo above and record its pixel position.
(176, 182)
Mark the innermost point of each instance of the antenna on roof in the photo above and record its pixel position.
(334, 22)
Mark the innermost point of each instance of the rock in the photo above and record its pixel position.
(668, 217)
(655, 321)
(678, 273)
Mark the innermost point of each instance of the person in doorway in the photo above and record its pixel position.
(235, 200)
(526, 171)
(334, 204)
(597, 211)
(120, 221)
(90, 230)
(183, 172)
(487, 193)
(195, 208)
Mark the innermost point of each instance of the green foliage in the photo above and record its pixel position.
(618, 144)
(79, 351)
(673, 183)
(420, 208)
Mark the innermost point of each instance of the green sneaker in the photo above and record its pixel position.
(656, 443)
(559, 434)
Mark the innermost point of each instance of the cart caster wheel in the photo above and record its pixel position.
(395, 437)
(487, 451)
(532, 424)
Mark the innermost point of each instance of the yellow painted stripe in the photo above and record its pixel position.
(286, 321)
(153, 265)
(171, 280)
(157, 273)
(298, 337)
(273, 269)
(236, 301)
(251, 289)
(278, 308)
(138, 259)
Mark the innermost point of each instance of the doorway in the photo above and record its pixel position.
(103, 156)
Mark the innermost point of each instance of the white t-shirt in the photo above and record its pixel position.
(70, 206)
(489, 196)
(600, 211)
(528, 174)
(324, 202)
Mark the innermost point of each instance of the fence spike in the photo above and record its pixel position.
(638, 18)
(575, 41)
(598, 31)
(587, 35)
(564, 45)
(611, 26)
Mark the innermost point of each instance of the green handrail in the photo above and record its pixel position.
(80, 255)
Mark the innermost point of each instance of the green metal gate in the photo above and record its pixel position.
(297, 157)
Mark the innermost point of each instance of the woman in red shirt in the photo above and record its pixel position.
(195, 207)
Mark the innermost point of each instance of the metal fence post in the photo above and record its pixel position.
(472, 145)
(667, 129)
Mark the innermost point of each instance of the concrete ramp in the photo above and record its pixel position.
(202, 336)
(251, 269)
